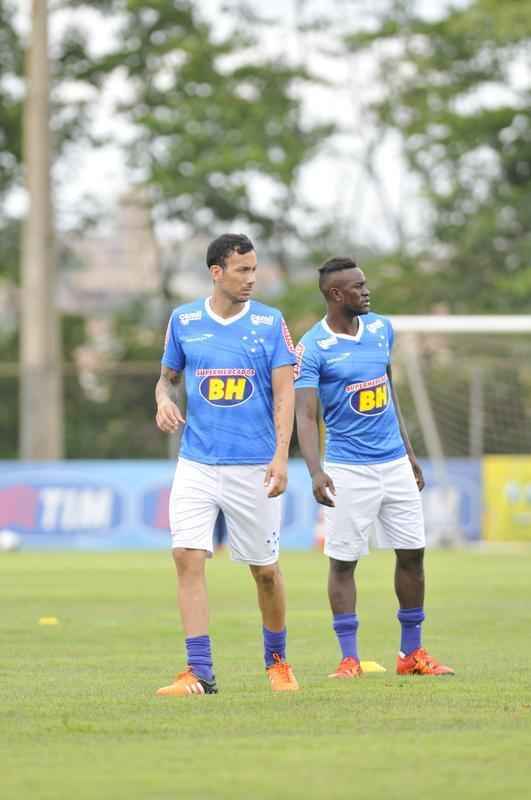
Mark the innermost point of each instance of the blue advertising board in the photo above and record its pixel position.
(452, 502)
(114, 505)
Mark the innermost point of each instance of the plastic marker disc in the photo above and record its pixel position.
(372, 666)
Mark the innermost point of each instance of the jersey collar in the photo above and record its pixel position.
(356, 338)
(226, 320)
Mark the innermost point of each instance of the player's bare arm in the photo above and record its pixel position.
(417, 471)
(168, 416)
(283, 411)
(308, 433)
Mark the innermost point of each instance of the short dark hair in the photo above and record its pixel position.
(225, 245)
(335, 265)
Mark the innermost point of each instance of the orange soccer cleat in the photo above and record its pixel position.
(349, 667)
(281, 676)
(419, 662)
(187, 683)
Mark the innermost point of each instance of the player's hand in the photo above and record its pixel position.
(417, 472)
(276, 477)
(323, 488)
(168, 416)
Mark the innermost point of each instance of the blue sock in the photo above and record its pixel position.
(199, 656)
(411, 620)
(346, 628)
(274, 644)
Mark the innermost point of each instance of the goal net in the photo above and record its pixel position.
(464, 386)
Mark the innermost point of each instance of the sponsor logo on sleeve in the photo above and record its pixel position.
(226, 387)
(369, 398)
(191, 316)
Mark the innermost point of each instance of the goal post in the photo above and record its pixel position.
(444, 323)
(464, 386)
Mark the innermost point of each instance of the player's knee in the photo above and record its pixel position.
(411, 560)
(188, 562)
(342, 570)
(267, 577)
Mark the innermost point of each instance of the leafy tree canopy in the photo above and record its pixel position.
(10, 99)
(210, 113)
(458, 91)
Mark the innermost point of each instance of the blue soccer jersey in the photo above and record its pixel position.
(228, 367)
(350, 373)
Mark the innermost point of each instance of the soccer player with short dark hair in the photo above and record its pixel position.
(370, 472)
(237, 358)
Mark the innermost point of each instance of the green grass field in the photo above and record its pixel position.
(79, 719)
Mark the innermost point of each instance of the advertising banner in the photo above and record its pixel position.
(113, 505)
(507, 488)
(452, 500)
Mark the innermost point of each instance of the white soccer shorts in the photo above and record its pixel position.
(384, 494)
(200, 491)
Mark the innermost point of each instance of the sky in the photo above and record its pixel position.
(335, 181)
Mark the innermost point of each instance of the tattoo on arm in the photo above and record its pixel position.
(283, 403)
(166, 384)
(282, 434)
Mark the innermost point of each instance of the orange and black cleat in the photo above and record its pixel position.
(187, 683)
(419, 662)
(281, 676)
(349, 667)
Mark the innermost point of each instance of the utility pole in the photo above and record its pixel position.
(41, 404)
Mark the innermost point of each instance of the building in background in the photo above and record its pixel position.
(105, 272)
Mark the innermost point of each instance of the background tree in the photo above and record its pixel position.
(457, 91)
(11, 98)
(210, 115)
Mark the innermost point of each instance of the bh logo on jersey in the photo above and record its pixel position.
(369, 398)
(226, 387)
